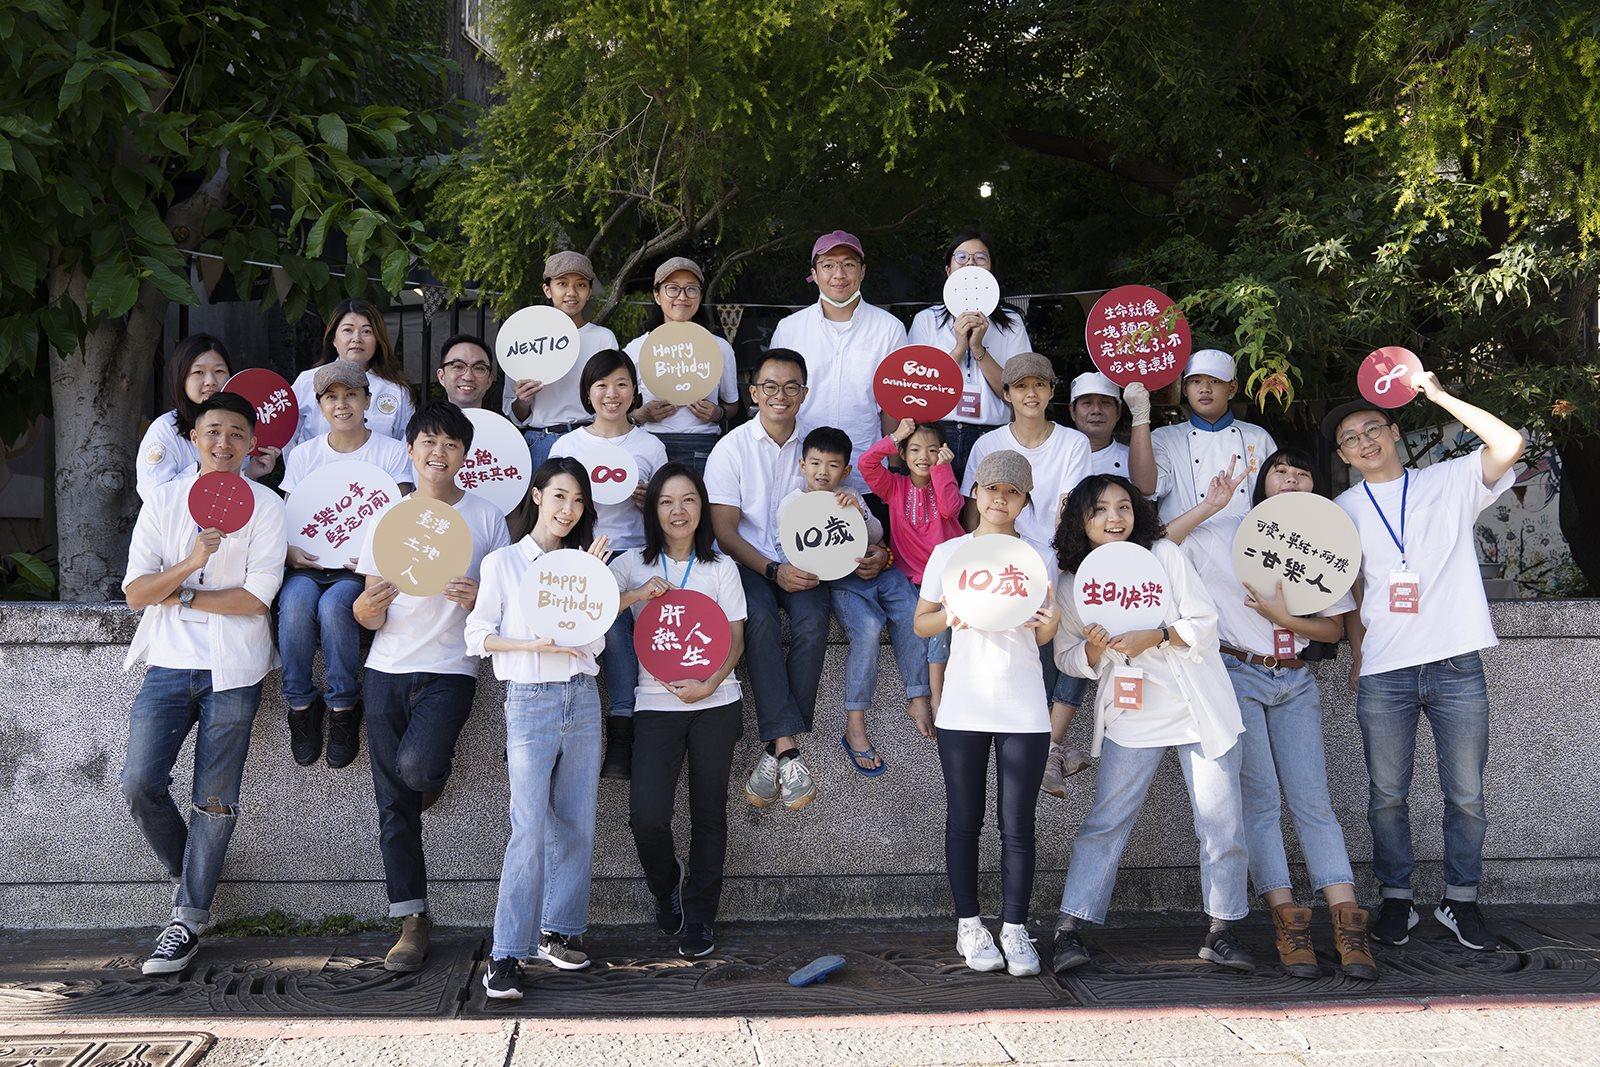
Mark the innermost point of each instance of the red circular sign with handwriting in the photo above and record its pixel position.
(1137, 334)
(1385, 377)
(222, 501)
(277, 411)
(918, 382)
(682, 634)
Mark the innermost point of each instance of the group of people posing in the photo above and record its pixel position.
(1225, 678)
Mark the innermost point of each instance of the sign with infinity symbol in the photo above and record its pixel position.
(918, 382)
(1385, 377)
(570, 597)
(613, 470)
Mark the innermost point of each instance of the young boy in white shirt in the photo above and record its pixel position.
(208, 642)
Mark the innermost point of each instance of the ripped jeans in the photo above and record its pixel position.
(169, 704)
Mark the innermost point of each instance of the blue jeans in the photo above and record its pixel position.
(690, 449)
(553, 760)
(863, 607)
(539, 444)
(938, 646)
(620, 665)
(315, 604)
(1123, 780)
(170, 702)
(1451, 692)
(413, 723)
(785, 682)
(1063, 687)
(1282, 710)
(961, 436)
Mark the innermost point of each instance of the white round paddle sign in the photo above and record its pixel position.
(680, 362)
(421, 545)
(570, 597)
(1303, 540)
(538, 343)
(613, 470)
(995, 582)
(499, 466)
(971, 289)
(817, 535)
(1122, 587)
(331, 509)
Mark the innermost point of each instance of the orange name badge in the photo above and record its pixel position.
(1405, 593)
(1127, 689)
(970, 405)
(1283, 644)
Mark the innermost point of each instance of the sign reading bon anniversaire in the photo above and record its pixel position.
(917, 382)
(1137, 334)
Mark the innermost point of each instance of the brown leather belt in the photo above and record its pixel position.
(1272, 662)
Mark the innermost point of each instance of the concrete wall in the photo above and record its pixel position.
(307, 840)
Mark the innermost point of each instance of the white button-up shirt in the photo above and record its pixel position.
(750, 471)
(389, 408)
(1187, 458)
(1000, 343)
(502, 611)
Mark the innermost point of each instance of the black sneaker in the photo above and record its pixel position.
(1223, 949)
(344, 736)
(174, 949)
(305, 732)
(698, 940)
(669, 909)
(1465, 919)
(1394, 921)
(1068, 952)
(502, 979)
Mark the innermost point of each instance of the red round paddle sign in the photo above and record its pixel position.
(1137, 334)
(277, 411)
(221, 501)
(917, 382)
(1385, 377)
(683, 634)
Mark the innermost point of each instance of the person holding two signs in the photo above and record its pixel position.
(994, 698)
(1423, 620)
(198, 367)
(356, 334)
(205, 634)
(1160, 687)
(420, 677)
(693, 711)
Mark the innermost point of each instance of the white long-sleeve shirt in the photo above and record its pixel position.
(501, 611)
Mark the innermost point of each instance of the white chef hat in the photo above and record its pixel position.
(1212, 361)
(1093, 383)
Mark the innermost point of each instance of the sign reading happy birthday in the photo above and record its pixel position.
(332, 505)
(1137, 334)
(1384, 377)
(1305, 541)
(819, 536)
(995, 582)
(680, 362)
(221, 501)
(570, 596)
(277, 411)
(1122, 587)
(918, 382)
(421, 545)
(538, 343)
(498, 467)
(971, 289)
(682, 634)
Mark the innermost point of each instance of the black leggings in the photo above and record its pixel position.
(1019, 761)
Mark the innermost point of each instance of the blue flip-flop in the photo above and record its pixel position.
(870, 753)
(817, 970)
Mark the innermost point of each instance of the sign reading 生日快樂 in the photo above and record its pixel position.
(680, 362)
(995, 582)
(682, 634)
(537, 343)
(499, 466)
(1137, 334)
(421, 545)
(570, 596)
(1303, 540)
(1122, 587)
(277, 411)
(332, 506)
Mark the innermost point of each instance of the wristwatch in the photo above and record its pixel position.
(772, 571)
(185, 598)
(1166, 638)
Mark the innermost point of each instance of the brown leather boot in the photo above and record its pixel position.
(1293, 927)
(1350, 937)
(411, 951)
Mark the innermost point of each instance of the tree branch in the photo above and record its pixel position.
(677, 232)
(1105, 156)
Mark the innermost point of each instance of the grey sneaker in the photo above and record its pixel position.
(561, 952)
(1075, 761)
(798, 788)
(762, 788)
(1055, 772)
(1021, 957)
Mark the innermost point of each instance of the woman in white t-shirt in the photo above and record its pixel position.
(198, 367)
(609, 390)
(994, 698)
(1186, 705)
(678, 717)
(356, 333)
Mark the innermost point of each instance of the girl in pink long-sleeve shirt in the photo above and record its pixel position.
(924, 512)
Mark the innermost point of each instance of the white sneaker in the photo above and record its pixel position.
(762, 788)
(1021, 957)
(977, 947)
(797, 787)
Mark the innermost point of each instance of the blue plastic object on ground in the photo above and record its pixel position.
(817, 970)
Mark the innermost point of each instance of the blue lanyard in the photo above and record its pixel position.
(684, 584)
(1399, 542)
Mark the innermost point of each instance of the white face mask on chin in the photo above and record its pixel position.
(841, 304)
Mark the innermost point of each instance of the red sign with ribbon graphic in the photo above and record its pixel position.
(222, 501)
(1385, 377)
(277, 411)
(917, 382)
(682, 634)
(1137, 334)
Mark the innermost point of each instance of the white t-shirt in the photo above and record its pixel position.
(1000, 343)
(382, 452)
(683, 420)
(423, 634)
(1442, 507)
(557, 403)
(623, 523)
(1059, 463)
(1240, 626)
(841, 364)
(499, 610)
(389, 408)
(718, 580)
(993, 682)
(1112, 459)
(748, 470)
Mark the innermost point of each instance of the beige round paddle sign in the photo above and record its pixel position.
(1305, 541)
(570, 597)
(680, 362)
(421, 546)
(995, 582)
(817, 535)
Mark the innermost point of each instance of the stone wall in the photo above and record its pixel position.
(306, 841)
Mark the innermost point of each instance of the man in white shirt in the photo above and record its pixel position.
(208, 642)
(546, 410)
(420, 680)
(748, 474)
(1096, 407)
(843, 339)
(1424, 618)
(466, 370)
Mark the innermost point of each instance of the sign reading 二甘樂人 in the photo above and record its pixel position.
(1303, 540)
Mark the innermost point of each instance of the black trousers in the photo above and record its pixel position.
(1019, 768)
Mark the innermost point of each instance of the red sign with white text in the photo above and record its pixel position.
(277, 411)
(682, 634)
(917, 382)
(1137, 334)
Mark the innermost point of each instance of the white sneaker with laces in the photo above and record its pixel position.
(798, 788)
(1021, 957)
(762, 788)
(977, 947)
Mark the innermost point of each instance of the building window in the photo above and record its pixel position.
(475, 23)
